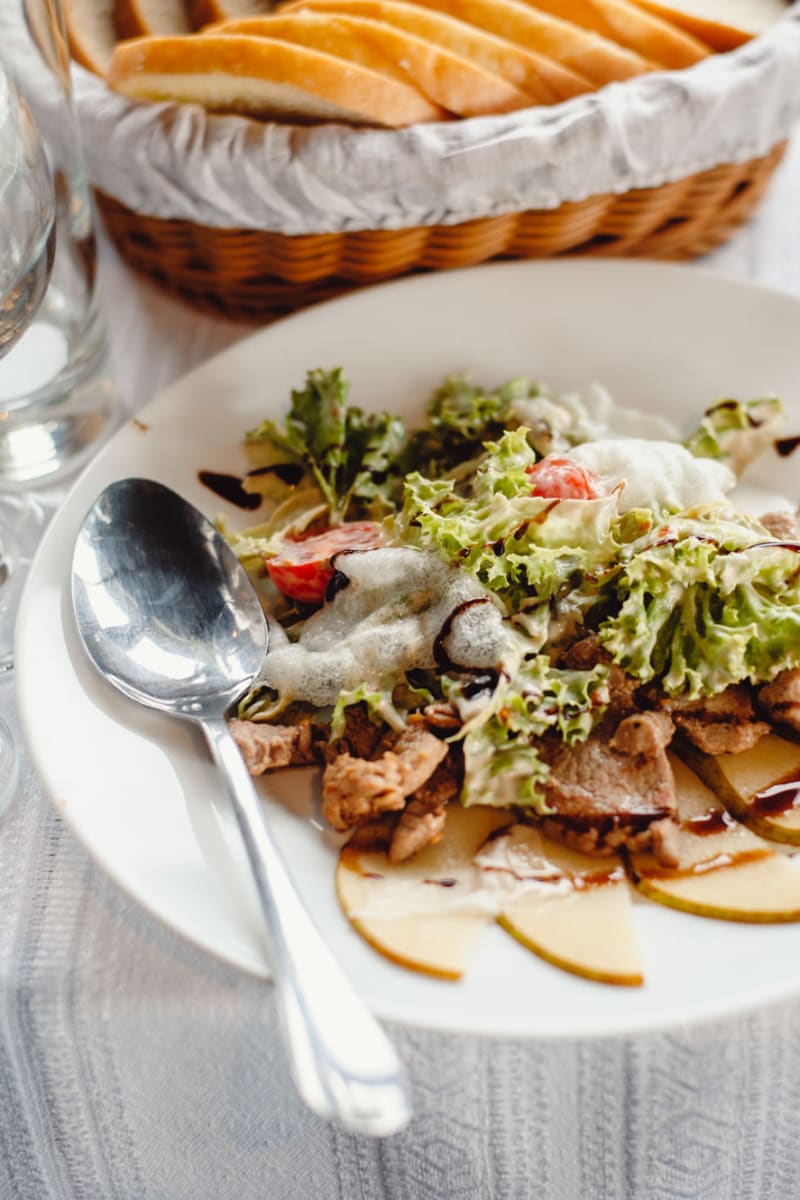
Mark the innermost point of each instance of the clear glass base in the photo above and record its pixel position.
(22, 523)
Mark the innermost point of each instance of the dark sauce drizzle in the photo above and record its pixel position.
(778, 799)
(229, 487)
(787, 445)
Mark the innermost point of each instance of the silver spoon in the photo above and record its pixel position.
(168, 615)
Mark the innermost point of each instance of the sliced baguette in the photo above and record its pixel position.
(91, 32)
(265, 78)
(543, 80)
(458, 85)
(151, 18)
(620, 21)
(721, 24)
(594, 57)
(206, 12)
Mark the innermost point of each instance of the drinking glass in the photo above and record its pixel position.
(27, 251)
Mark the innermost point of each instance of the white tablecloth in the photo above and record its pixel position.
(133, 1067)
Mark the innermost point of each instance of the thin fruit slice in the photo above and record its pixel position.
(423, 914)
(724, 869)
(620, 21)
(91, 32)
(265, 78)
(544, 81)
(760, 786)
(571, 909)
(722, 24)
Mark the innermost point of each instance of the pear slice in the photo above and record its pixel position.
(426, 913)
(570, 909)
(760, 786)
(725, 870)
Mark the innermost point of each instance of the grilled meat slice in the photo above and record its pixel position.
(721, 724)
(780, 700)
(267, 747)
(588, 653)
(354, 790)
(614, 791)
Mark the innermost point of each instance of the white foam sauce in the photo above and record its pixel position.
(655, 473)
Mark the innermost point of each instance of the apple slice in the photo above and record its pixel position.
(725, 870)
(426, 913)
(570, 909)
(760, 786)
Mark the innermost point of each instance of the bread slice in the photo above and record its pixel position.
(620, 21)
(595, 58)
(721, 24)
(543, 81)
(206, 12)
(459, 85)
(151, 18)
(91, 32)
(265, 78)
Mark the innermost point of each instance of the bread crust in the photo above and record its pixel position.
(543, 80)
(652, 37)
(264, 77)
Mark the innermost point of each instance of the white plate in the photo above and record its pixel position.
(138, 790)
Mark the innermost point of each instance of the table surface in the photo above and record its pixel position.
(134, 1067)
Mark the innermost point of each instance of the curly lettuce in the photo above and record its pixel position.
(528, 550)
(704, 603)
(502, 760)
(353, 457)
(735, 431)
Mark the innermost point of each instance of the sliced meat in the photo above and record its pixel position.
(643, 733)
(780, 700)
(361, 734)
(356, 789)
(267, 747)
(785, 526)
(721, 724)
(587, 654)
(609, 794)
(422, 820)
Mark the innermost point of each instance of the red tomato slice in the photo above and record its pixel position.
(557, 478)
(303, 571)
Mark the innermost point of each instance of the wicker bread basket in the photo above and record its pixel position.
(250, 275)
(665, 167)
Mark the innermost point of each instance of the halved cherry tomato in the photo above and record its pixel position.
(303, 570)
(557, 478)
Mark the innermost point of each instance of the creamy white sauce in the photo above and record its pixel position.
(655, 474)
(382, 623)
(587, 417)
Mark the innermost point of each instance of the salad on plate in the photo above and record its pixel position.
(544, 660)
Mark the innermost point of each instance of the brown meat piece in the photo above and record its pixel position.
(361, 735)
(721, 724)
(609, 794)
(588, 653)
(785, 526)
(355, 789)
(422, 820)
(643, 733)
(780, 700)
(267, 747)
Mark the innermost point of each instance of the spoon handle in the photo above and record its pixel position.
(342, 1062)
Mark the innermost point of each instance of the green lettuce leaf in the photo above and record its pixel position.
(705, 603)
(503, 766)
(353, 457)
(527, 550)
(735, 431)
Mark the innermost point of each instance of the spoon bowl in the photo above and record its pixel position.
(168, 616)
